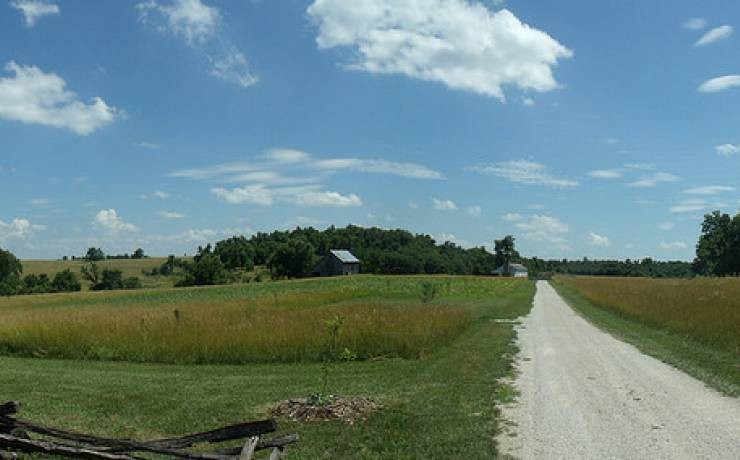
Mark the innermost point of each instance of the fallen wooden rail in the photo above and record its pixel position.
(15, 437)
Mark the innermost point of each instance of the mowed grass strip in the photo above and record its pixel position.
(438, 406)
(691, 324)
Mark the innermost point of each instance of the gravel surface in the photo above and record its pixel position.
(585, 394)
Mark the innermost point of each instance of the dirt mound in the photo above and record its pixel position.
(349, 409)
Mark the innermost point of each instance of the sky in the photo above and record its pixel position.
(585, 129)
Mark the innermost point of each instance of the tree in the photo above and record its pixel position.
(292, 259)
(235, 252)
(505, 253)
(718, 249)
(90, 273)
(66, 281)
(206, 270)
(110, 279)
(138, 254)
(95, 254)
(10, 273)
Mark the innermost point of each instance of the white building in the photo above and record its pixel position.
(515, 270)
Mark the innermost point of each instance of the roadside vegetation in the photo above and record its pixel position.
(415, 338)
(692, 324)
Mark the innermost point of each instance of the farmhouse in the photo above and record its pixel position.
(338, 262)
(515, 270)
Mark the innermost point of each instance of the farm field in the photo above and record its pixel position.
(693, 324)
(123, 364)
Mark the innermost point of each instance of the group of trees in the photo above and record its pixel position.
(96, 254)
(108, 279)
(718, 249)
(647, 267)
(11, 282)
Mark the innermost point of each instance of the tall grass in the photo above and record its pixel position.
(275, 322)
(706, 310)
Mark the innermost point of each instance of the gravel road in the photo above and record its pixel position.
(585, 394)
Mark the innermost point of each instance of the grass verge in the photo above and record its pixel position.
(718, 368)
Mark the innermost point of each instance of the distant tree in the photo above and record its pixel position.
(235, 252)
(95, 254)
(66, 281)
(10, 272)
(292, 259)
(206, 270)
(505, 253)
(718, 249)
(131, 282)
(110, 279)
(138, 254)
(90, 273)
(36, 284)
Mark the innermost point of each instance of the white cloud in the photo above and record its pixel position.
(546, 229)
(606, 174)
(162, 195)
(610, 140)
(524, 172)
(640, 166)
(250, 194)
(598, 240)
(715, 35)
(325, 198)
(719, 84)
(200, 26)
(34, 9)
(450, 238)
(689, 206)
(286, 155)
(410, 170)
(654, 179)
(512, 217)
(40, 202)
(413, 205)
(709, 190)
(32, 96)
(444, 205)
(455, 42)
(674, 245)
(727, 149)
(528, 101)
(665, 226)
(171, 215)
(150, 145)
(474, 211)
(695, 23)
(18, 229)
(109, 220)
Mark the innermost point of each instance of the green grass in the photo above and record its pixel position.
(440, 405)
(713, 363)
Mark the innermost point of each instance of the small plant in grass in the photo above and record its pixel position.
(333, 326)
(427, 291)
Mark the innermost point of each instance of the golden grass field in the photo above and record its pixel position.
(703, 309)
(258, 322)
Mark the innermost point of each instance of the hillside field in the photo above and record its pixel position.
(126, 364)
(693, 324)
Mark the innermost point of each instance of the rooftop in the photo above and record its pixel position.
(345, 256)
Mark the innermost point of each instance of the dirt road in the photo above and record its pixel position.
(585, 394)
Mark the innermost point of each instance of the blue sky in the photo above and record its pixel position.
(599, 129)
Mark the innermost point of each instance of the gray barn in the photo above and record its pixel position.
(338, 262)
(515, 270)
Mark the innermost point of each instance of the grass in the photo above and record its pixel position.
(693, 325)
(440, 405)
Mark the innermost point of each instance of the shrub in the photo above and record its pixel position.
(427, 291)
(66, 281)
(207, 270)
(110, 279)
(132, 282)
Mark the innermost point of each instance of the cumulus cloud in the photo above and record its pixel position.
(171, 215)
(474, 211)
(546, 229)
(606, 173)
(524, 172)
(444, 205)
(695, 23)
(326, 198)
(458, 43)
(250, 194)
(32, 96)
(717, 84)
(595, 239)
(512, 217)
(300, 196)
(674, 245)
(161, 195)
(709, 190)
(199, 25)
(34, 9)
(727, 149)
(653, 180)
(713, 36)
(109, 220)
(18, 228)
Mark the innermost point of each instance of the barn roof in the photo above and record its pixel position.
(345, 256)
(518, 266)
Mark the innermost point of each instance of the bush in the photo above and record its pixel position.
(427, 291)
(66, 281)
(132, 282)
(36, 284)
(207, 270)
(110, 279)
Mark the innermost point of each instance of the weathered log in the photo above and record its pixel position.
(227, 433)
(276, 453)
(5, 455)
(280, 443)
(10, 407)
(49, 448)
(250, 446)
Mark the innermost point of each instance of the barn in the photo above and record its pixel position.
(515, 270)
(338, 262)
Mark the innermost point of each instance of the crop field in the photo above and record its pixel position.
(166, 361)
(691, 323)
